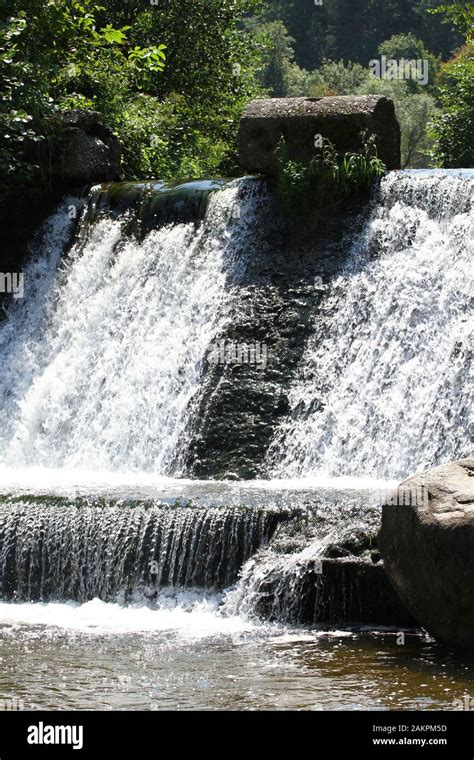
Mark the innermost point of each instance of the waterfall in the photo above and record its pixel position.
(321, 567)
(385, 384)
(53, 548)
(107, 386)
(101, 361)
(105, 362)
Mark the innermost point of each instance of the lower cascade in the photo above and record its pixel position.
(75, 550)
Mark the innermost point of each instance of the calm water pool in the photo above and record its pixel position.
(189, 655)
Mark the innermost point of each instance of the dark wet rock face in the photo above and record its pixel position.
(275, 295)
(427, 549)
(344, 120)
(336, 592)
(86, 151)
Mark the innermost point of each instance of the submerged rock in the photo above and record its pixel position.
(345, 120)
(428, 548)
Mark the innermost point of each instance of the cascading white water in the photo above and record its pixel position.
(385, 386)
(101, 361)
(76, 550)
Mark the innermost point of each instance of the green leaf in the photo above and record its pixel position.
(113, 36)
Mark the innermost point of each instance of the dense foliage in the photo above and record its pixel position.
(452, 127)
(325, 49)
(352, 30)
(171, 77)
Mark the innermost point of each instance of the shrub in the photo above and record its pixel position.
(452, 126)
(312, 190)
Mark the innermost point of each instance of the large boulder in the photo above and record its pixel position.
(85, 152)
(344, 120)
(427, 543)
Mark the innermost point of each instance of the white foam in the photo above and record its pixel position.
(100, 365)
(190, 615)
(71, 482)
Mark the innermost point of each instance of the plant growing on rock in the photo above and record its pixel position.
(312, 190)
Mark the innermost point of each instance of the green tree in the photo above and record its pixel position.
(279, 75)
(461, 15)
(452, 126)
(408, 47)
(336, 78)
(353, 29)
(441, 38)
(210, 74)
